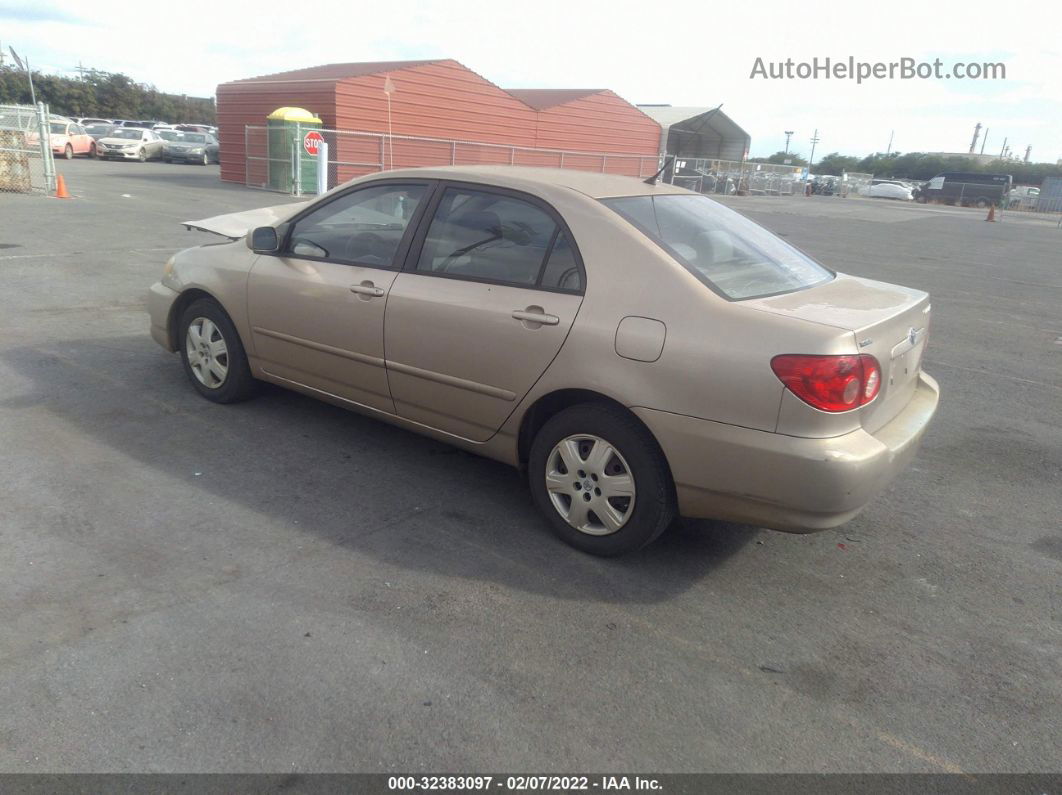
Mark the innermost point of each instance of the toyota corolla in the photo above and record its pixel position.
(640, 351)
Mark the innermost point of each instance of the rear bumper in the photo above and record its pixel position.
(160, 301)
(786, 482)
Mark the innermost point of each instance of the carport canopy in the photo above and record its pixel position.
(698, 132)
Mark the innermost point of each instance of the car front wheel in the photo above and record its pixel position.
(212, 354)
(601, 480)
(68, 153)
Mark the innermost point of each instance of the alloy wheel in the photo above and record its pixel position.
(590, 484)
(208, 354)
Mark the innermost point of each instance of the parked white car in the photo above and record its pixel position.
(1023, 197)
(889, 189)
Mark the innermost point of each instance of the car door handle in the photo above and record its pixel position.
(535, 315)
(367, 288)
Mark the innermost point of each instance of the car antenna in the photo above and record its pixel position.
(652, 180)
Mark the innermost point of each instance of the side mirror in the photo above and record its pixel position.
(263, 240)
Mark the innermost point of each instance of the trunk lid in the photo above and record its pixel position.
(889, 322)
(236, 225)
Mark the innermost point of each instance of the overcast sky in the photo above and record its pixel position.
(661, 52)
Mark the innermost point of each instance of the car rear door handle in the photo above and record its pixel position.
(367, 289)
(535, 315)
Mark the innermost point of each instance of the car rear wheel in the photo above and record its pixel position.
(92, 152)
(212, 354)
(601, 480)
(68, 152)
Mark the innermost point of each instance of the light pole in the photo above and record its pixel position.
(788, 135)
(814, 140)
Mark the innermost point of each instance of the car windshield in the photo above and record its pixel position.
(97, 129)
(194, 138)
(732, 255)
(58, 128)
(170, 135)
(128, 132)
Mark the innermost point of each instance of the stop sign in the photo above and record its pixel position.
(311, 141)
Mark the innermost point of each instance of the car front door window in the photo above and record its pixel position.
(364, 227)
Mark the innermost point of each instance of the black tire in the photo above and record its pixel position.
(68, 152)
(205, 161)
(93, 152)
(142, 155)
(238, 384)
(654, 503)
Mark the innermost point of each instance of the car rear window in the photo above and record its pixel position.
(732, 255)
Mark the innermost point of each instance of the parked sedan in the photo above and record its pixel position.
(890, 189)
(186, 147)
(98, 131)
(639, 350)
(131, 143)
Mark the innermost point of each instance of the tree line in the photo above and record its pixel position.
(918, 166)
(107, 95)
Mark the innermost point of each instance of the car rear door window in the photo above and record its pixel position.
(487, 236)
(363, 227)
(729, 253)
(561, 271)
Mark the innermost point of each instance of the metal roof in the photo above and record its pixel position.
(543, 98)
(698, 132)
(336, 71)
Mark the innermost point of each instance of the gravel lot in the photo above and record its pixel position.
(281, 585)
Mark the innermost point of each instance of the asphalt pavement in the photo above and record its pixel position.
(284, 586)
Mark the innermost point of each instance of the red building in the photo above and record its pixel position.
(443, 100)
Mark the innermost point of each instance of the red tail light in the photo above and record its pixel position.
(830, 383)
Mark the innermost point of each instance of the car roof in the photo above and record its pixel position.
(590, 183)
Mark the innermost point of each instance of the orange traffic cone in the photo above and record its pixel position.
(60, 188)
(991, 213)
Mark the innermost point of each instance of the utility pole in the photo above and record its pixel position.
(81, 70)
(2, 56)
(814, 140)
(889, 150)
(29, 74)
(984, 141)
(1003, 151)
(788, 135)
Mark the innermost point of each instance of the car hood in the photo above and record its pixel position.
(236, 225)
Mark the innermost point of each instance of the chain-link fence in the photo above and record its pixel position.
(730, 177)
(1045, 199)
(286, 159)
(26, 162)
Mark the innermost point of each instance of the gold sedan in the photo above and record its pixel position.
(640, 350)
